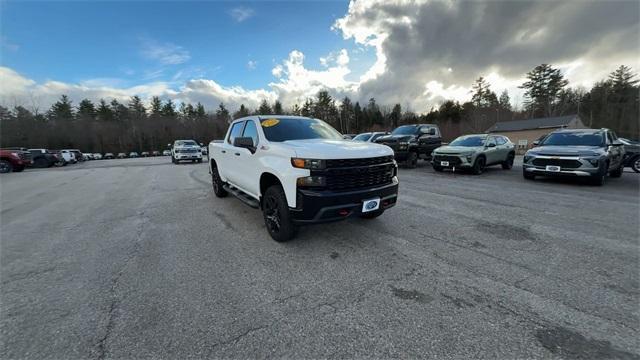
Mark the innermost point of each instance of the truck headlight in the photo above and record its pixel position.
(312, 164)
(313, 181)
(594, 161)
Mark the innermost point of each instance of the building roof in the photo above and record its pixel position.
(530, 124)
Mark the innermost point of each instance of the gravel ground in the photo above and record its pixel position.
(136, 258)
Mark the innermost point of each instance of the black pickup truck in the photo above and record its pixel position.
(410, 142)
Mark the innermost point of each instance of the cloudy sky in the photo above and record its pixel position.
(415, 53)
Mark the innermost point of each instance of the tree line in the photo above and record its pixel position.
(115, 126)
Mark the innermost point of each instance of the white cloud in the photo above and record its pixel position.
(164, 53)
(241, 14)
(252, 64)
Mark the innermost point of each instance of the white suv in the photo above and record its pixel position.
(185, 150)
(301, 171)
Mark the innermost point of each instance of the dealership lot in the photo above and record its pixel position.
(137, 258)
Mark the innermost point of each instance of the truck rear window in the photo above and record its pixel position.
(283, 129)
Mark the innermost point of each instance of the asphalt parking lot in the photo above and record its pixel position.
(136, 259)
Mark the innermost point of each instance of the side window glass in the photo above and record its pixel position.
(609, 139)
(251, 131)
(491, 140)
(500, 140)
(235, 132)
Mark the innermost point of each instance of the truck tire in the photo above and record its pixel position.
(217, 182)
(276, 214)
(412, 160)
(508, 164)
(372, 214)
(5, 167)
(18, 168)
(41, 163)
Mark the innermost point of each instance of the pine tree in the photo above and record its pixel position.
(505, 101)
(307, 108)
(104, 112)
(156, 107)
(61, 110)
(277, 108)
(242, 112)
(86, 111)
(542, 89)
(222, 114)
(264, 108)
(169, 109)
(395, 115)
(346, 115)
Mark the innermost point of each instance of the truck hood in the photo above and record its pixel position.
(457, 149)
(567, 150)
(336, 149)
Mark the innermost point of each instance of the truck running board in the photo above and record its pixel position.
(242, 196)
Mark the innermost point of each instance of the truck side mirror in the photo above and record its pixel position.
(244, 142)
(536, 143)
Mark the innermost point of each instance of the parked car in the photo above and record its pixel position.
(87, 156)
(121, 155)
(68, 156)
(133, 154)
(108, 156)
(297, 173)
(369, 136)
(97, 156)
(43, 158)
(14, 160)
(166, 153)
(348, 136)
(592, 153)
(144, 154)
(155, 153)
(77, 154)
(475, 152)
(204, 151)
(410, 142)
(188, 150)
(631, 154)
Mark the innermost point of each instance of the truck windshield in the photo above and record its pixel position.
(186, 142)
(468, 141)
(283, 129)
(405, 130)
(574, 139)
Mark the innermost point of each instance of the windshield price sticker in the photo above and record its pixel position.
(270, 122)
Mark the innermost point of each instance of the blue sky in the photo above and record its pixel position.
(123, 43)
(417, 53)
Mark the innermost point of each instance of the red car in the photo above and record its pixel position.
(14, 160)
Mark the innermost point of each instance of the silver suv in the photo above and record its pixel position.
(474, 152)
(591, 153)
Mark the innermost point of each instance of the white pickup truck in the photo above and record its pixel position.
(301, 171)
(185, 150)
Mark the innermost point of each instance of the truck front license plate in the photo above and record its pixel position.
(552, 168)
(444, 163)
(370, 205)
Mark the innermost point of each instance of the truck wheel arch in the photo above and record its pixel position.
(267, 180)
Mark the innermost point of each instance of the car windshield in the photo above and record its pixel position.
(362, 137)
(186, 143)
(284, 129)
(468, 141)
(405, 130)
(574, 139)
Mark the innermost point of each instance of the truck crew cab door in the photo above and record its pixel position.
(245, 161)
(227, 166)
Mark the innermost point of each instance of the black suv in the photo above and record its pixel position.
(592, 153)
(43, 158)
(409, 142)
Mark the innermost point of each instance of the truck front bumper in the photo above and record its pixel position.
(318, 206)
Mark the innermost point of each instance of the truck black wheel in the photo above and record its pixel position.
(276, 214)
(478, 166)
(635, 164)
(217, 183)
(18, 168)
(508, 164)
(372, 214)
(412, 160)
(5, 167)
(41, 163)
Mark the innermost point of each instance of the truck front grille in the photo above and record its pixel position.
(353, 174)
(563, 163)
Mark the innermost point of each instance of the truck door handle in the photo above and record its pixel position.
(224, 151)
(237, 154)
